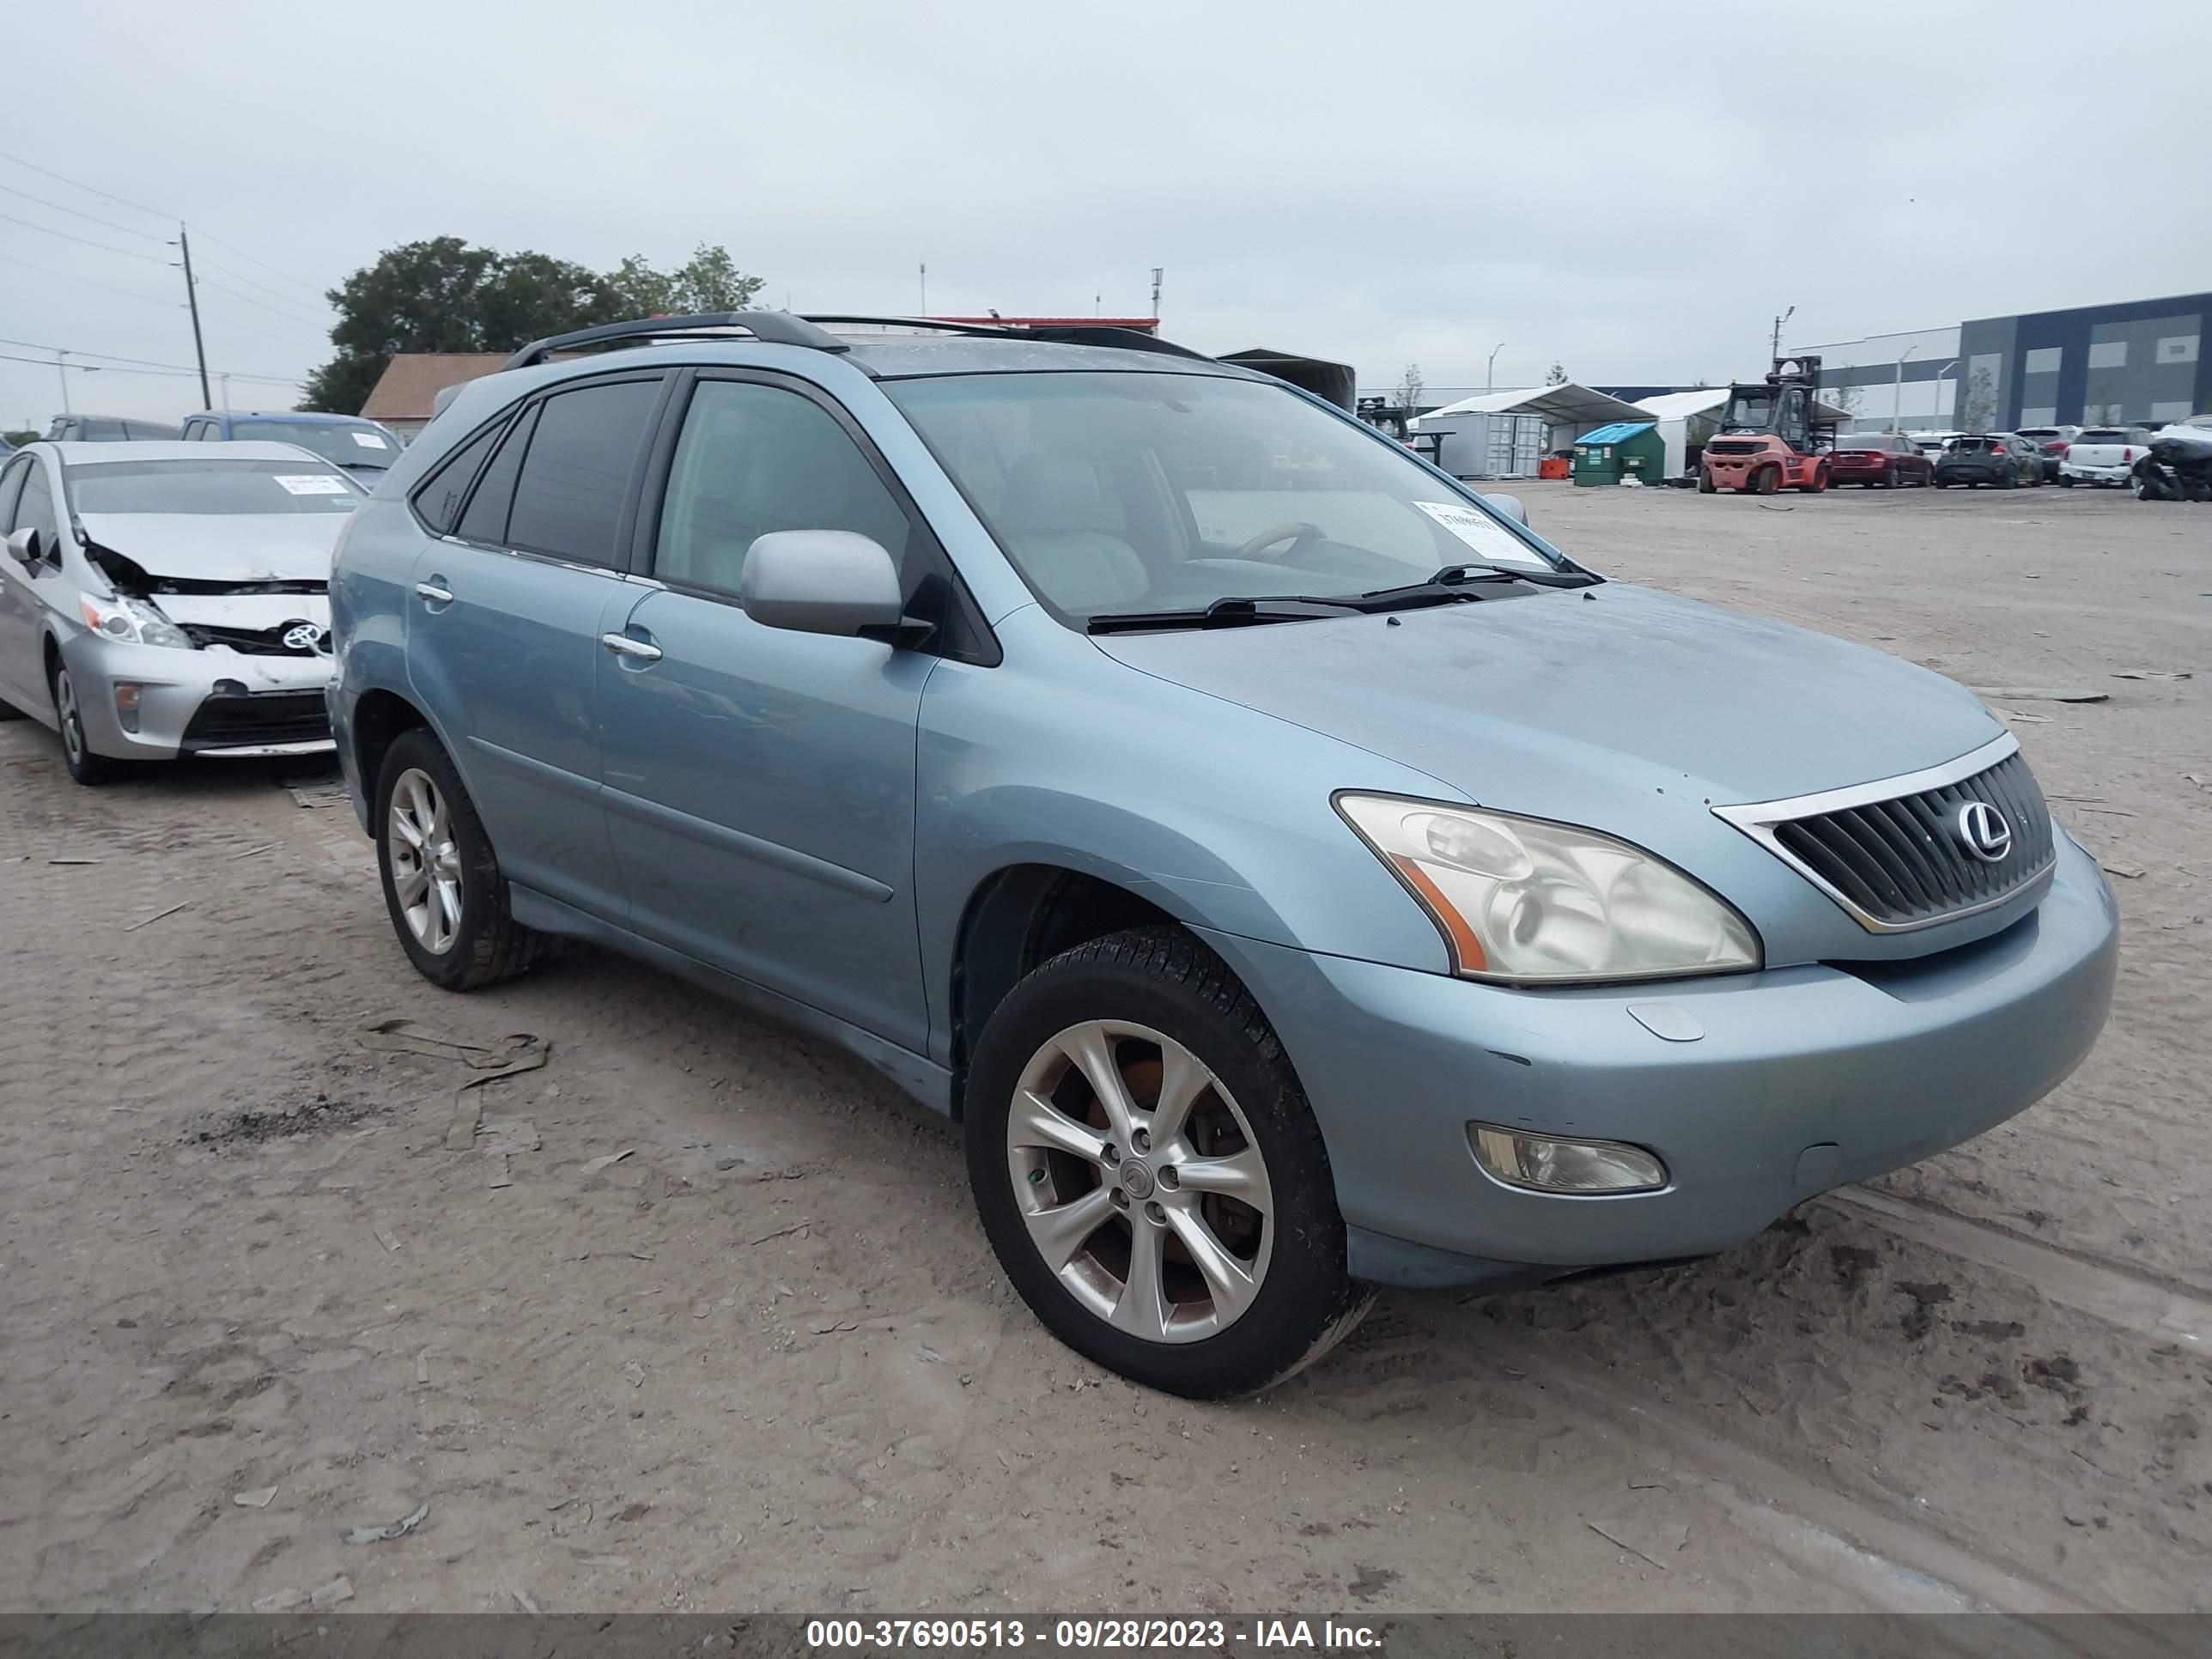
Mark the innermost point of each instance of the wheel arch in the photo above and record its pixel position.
(379, 717)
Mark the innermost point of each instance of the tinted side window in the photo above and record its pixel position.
(485, 521)
(439, 500)
(11, 485)
(35, 511)
(752, 459)
(568, 501)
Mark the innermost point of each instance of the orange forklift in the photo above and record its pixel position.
(1771, 436)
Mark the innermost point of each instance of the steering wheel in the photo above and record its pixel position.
(1289, 532)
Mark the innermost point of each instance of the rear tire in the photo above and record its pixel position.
(86, 768)
(1144, 1007)
(448, 902)
(2065, 483)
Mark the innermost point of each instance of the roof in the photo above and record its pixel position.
(413, 379)
(74, 453)
(1680, 405)
(1619, 433)
(1570, 404)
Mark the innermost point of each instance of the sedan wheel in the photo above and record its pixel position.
(84, 766)
(1140, 1182)
(450, 906)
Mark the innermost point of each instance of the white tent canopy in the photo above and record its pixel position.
(1569, 404)
(1504, 434)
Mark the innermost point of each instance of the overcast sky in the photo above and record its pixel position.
(1634, 190)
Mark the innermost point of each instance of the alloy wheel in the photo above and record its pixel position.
(65, 710)
(426, 865)
(1139, 1181)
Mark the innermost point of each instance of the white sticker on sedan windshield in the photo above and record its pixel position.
(311, 484)
(370, 440)
(1483, 533)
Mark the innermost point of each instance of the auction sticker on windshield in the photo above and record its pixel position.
(311, 484)
(1483, 533)
(369, 441)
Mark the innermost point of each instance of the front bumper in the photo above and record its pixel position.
(199, 702)
(1804, 1079)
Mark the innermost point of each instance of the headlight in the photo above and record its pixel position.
(1524, 901)
(133, 621)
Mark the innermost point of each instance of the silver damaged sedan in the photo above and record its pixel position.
(160, 599)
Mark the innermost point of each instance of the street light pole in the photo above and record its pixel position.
(1897, 399)
(1490, 374)
(1937, 416)
(61, 367)
(1778, 321)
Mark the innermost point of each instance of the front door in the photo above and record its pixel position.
(25, 503)
(760, 783)
(503, 638)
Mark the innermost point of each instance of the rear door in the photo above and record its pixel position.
(503, 635)
(760, 782)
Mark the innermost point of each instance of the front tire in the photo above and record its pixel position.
(1768, 482)
(87, 768)
(1706, 484)
(1150, 1174)
(448, 902)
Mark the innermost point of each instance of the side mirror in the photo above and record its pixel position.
(23, 546)
(1510, 505)
(822, 581)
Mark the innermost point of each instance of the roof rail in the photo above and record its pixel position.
(1090, 334)
(770, 327)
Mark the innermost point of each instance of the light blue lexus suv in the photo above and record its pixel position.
(1293, 874)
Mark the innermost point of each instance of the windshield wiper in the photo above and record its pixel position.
(1234, 611)
(1453, 574)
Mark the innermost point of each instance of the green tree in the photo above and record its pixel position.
(443, 295)
(1558, 375)
(19, 439)
(1979, 406)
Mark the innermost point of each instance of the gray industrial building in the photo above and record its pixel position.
(2139, 363)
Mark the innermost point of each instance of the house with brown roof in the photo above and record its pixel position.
(405, 397)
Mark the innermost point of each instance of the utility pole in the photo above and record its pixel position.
(1778, 321)
(1490, 374)
(1158, 271)
(924, 268)
(61, 367)
(192, 299)
(225, 378)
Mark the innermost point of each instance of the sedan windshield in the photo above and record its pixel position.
(249, 488)
(1114, 493)
(349, 446)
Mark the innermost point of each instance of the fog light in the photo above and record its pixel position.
(126, 704)
(1547, 1164)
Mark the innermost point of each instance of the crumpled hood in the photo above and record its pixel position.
(211, 547)
(1573, 700)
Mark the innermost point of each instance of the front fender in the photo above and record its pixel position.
(1217, 814)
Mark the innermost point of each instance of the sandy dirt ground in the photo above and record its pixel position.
(765, 1361)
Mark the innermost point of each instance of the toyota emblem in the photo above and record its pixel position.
(302, 636)
(1983, 832)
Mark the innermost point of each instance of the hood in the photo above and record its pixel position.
(1562, 703)
(210, 547)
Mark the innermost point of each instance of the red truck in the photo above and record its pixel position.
(1772, 436)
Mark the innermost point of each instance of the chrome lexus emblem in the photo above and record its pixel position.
(302, 636)
(1983, 832)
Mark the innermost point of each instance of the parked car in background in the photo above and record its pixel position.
(1988, 458)
(1089, 735)
(2103, 455)
(1930, 444)
(1886, 458)
(2052, 441)
(159, 599)
(361, 446)
(107, 429)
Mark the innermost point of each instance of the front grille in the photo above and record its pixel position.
(265, 717)
(248, 641)
(1734, 447)
(1902, 861)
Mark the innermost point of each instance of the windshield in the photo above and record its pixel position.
(1114, 492)
(1750, 411)
(349, 446)
(2101, 435)
(244, 488)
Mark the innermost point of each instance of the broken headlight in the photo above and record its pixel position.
(134, 622)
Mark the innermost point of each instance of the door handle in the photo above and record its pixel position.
(433, 593)
(622, 645)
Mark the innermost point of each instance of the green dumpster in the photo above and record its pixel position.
(1626, 449)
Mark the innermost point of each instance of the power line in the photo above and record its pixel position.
(72, 236)
(185, 374)
(264, 263)
(206, 264)
(80, 213)
(71, 276)
(289, 316)
(142, 362)
(106, 196)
